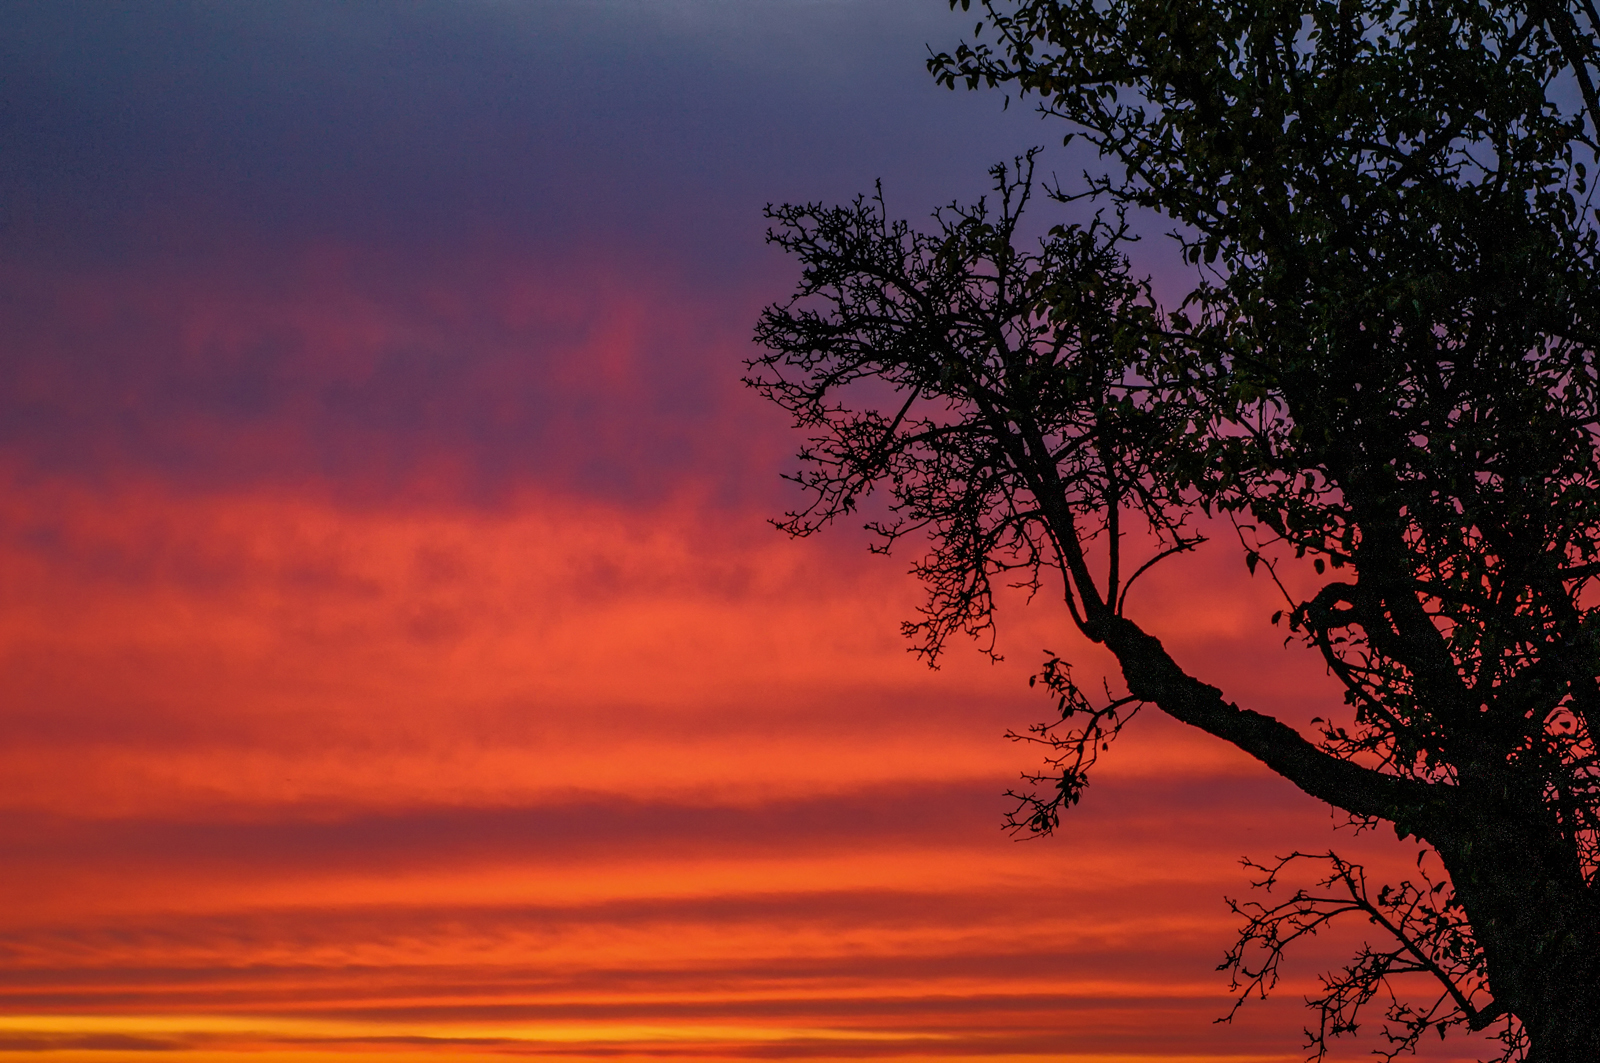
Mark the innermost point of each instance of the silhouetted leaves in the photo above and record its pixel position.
(1385, 373)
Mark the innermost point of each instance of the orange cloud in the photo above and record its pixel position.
(291, 780)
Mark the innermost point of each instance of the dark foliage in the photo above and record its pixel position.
(1385, 373)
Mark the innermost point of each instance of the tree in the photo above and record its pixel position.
(1385, 374)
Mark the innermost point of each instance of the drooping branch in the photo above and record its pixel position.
(1425, 934)
(1081, 732)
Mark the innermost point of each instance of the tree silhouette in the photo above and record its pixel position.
(1385, 374)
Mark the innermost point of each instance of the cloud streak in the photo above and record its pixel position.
(663, 784)
(395, 662)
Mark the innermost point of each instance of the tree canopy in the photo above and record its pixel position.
(1385, 373)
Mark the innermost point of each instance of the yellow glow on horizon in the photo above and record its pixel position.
(563, 1033)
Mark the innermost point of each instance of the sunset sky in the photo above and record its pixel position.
(395, 659)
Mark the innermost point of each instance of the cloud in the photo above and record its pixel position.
(557, 768)
(396, 661)
(370, 382)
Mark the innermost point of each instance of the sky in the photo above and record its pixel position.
(396, 661)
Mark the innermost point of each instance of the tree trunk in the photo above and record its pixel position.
(1573, 1038)
(1564, 1025)
(1535, 917)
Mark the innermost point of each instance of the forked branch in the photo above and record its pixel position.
(1424, 934)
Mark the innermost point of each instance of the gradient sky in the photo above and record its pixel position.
(395, 661)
